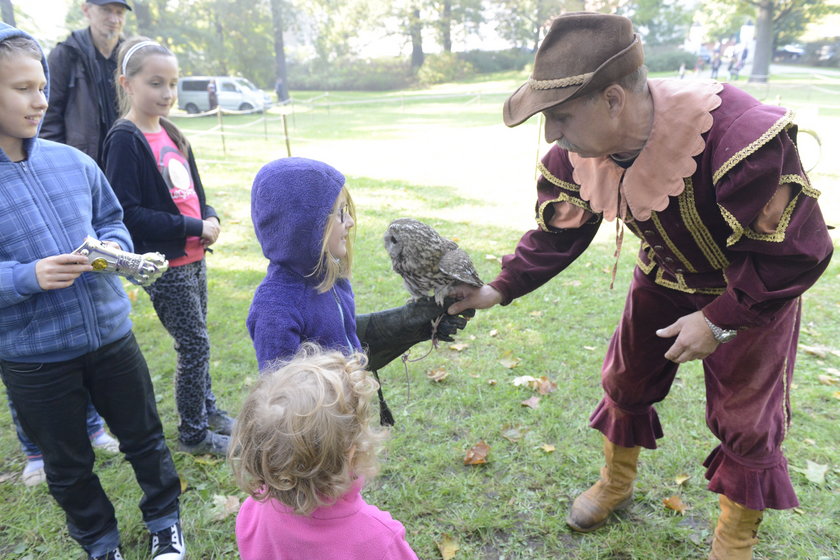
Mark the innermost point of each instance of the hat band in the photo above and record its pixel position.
(560, 82)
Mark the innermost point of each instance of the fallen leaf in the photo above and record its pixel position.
(475, 375)
(533, 402)
(818, 351)
(546, 386)
(448, 546)
(590, 348)
(459, 346)
(489, 257)
(680, 479)
(833, 371)
(6, 476)
(437, 375)
(535, 313)
(675, 503)
(548, 448)
(514, 433)
(810, 441)
(510, 363)
(523, 380)
(828, 380)
(493, 332)
(224, 506)
(836, 394)
(132, 295)
(184, 484)
(814, 472)
(799, 511)
(491, 381)
(477, 454)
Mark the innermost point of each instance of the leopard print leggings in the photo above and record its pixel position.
(180, 300)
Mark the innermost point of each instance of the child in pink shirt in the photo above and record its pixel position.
(301, 448)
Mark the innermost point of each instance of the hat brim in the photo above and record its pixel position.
(527, 101)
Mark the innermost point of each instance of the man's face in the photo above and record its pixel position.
(581, 126)
(107, 21)
(22, 99)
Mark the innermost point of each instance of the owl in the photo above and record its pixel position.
(426, 261)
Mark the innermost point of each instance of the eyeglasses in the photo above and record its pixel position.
(343, 212)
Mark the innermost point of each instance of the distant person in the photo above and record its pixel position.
(151, 166)
(716, 63)
(82, 109)
(83, 95)
(302, 450)
(734, 68)
(212, 94)
(66, 338)
(281, 91)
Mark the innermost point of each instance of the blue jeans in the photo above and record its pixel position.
(51, 401)
(95, 426)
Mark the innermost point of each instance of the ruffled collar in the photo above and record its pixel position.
(682, 113)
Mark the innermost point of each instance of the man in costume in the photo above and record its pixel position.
(732, 235)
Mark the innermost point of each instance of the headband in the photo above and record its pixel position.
(133, 50)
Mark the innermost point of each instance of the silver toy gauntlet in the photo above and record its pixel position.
(142, 270)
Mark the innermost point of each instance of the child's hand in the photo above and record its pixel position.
(210, 231)
(60, 271)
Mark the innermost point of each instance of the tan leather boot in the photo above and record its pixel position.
(613, 491)
(736, 531)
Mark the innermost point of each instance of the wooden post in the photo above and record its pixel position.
(286, 135)
(222, 129)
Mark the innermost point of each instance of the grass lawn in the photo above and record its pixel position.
(450, 161)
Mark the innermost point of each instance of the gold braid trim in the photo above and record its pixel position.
(562, 197)
(655, 219)
(681, 286)
(551, 178)
(698, 230)
(559, 82)
(646, 268)
(807, 189)
(774, 130)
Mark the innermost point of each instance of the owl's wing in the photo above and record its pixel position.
(457, 265)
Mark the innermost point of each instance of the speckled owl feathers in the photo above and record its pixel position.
(426, 261)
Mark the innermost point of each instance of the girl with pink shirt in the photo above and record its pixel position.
(152, 169)
(301, 448)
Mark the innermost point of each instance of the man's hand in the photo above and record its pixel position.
(694, 341)
(210, 231)
(474, 298)
(60, 271)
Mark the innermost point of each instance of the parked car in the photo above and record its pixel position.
(232, 93)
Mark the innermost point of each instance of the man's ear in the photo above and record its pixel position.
(616, 99)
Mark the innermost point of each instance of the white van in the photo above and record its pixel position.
(233, 94)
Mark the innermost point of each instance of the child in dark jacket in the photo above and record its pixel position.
(66, 335)
(153, 171)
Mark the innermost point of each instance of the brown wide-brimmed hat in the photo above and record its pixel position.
(583, 52)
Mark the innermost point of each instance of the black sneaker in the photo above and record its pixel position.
(220, 422)
(212, 444)
(110, 555)
(169, 544)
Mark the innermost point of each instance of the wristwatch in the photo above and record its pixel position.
(721, 335)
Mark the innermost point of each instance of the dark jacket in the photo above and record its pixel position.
(291, 201)
(76, 115)
(152, 218)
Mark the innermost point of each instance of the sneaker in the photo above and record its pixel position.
(106, 443)
(220, 422)
(169, 544)
(212, 444)
(33, 473)
(110, 555)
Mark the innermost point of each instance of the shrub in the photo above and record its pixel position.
(443, 67)
(497, 61)
(669, 60)
(351, 75)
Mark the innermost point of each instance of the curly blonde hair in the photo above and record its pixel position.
(305, 433)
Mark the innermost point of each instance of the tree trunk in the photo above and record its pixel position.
(8, 12)
(415, 30)
(281, 87)
(446, 26)
(763, 42)
(143, 16)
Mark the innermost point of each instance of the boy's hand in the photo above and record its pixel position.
(60, 271)
(210, 231)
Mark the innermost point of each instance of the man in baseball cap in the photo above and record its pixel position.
(732, 235)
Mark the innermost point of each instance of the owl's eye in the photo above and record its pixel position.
(393, 239)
